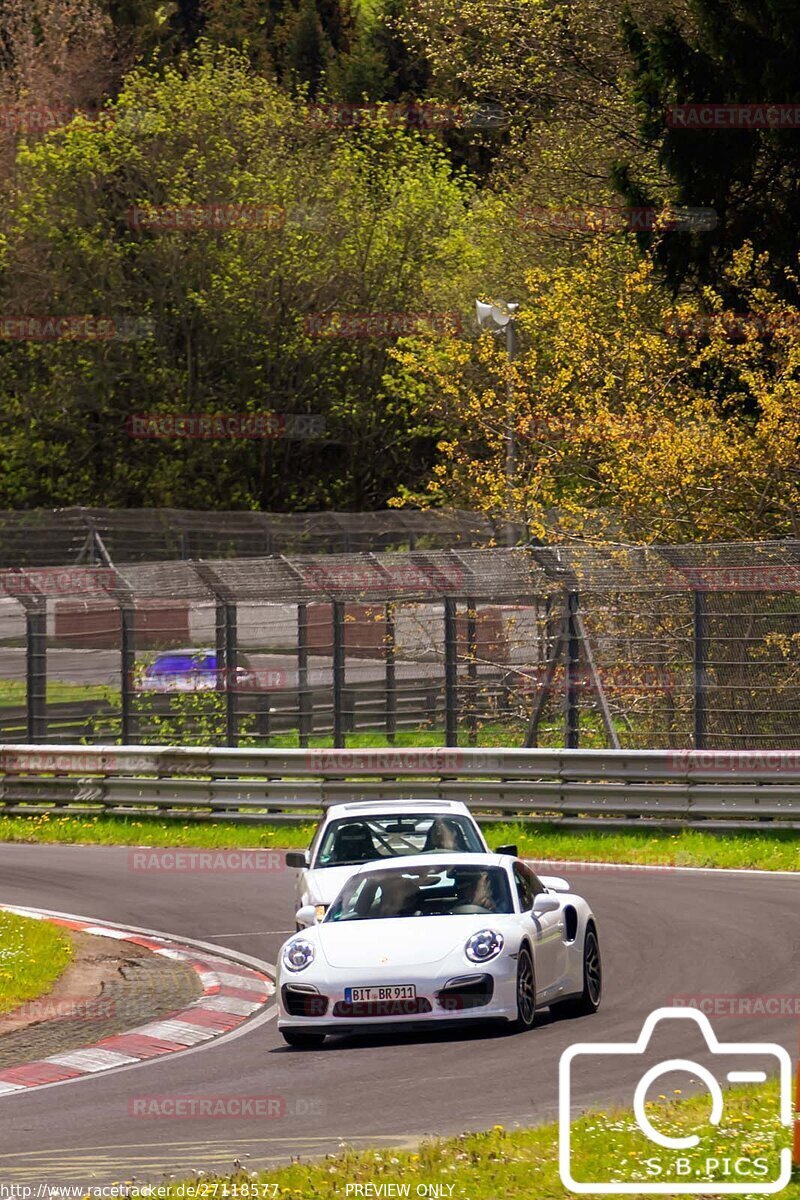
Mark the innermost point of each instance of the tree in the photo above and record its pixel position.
(375, 222)
(739, 52)
(619, 431)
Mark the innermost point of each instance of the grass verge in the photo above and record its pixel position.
(32, 956)
(774, 851)
(519, 1164)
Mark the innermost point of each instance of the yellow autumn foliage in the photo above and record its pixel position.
(633, 417)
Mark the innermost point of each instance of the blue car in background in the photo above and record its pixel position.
(192, 671)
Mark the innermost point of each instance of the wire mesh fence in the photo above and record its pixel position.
(643, 647)
(44, 536)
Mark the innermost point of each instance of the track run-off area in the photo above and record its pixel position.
(666, 933)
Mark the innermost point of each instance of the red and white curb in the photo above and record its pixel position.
(233, 992)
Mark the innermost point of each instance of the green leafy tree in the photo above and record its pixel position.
(375, 222)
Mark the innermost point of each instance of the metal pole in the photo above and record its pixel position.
(572, 681)
(303, 698)
(390, 648)
(36, 668)
(127, 629)
(338, 674)
(450, 673)
(700, 669)
(472, 672)
(511, 449)
(231, 727)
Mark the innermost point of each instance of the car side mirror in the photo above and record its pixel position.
(307, 915)
(297, 858)
(512, 850)
(545, 904)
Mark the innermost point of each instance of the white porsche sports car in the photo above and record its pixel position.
(439, 937)
(366, 831)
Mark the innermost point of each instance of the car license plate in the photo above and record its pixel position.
(390, 991)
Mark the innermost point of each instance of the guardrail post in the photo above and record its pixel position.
(700, 640)
(338, 674)
(472, 672)
(36, 667)
(572, 680)
(389, 652)
(127, 631)
(450, 673)
(303, 697)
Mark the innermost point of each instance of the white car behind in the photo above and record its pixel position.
(372, 831)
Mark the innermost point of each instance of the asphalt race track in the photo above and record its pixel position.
(663, 933)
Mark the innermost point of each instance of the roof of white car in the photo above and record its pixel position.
(374, 808)
(434, 859)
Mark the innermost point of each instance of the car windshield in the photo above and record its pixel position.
(353, 840)
(444, 890)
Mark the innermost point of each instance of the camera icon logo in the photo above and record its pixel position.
(689, 1164)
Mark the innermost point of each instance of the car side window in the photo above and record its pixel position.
(524, 890)
(529, 886)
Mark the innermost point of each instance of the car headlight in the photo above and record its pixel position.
(483, 945)
(298, 954)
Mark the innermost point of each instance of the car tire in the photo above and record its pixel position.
(589, 1000)
(526, 992)
(302, 1040)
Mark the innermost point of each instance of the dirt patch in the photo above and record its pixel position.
(96, 963)
(109, 987)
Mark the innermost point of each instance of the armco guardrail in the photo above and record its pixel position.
(726, 788)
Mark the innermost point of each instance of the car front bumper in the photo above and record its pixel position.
(483, 992)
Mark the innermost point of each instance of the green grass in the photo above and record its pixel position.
(13, 692)
(688, 848)
(504, 1164)
(32, 956)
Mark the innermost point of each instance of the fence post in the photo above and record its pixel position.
(127, 630)
(572, 680)
(700, 640)
(303, 706)
(36, 668)
(338, 674)
(390, 648)
(450, 673)
(231, 724)
(472, 672)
